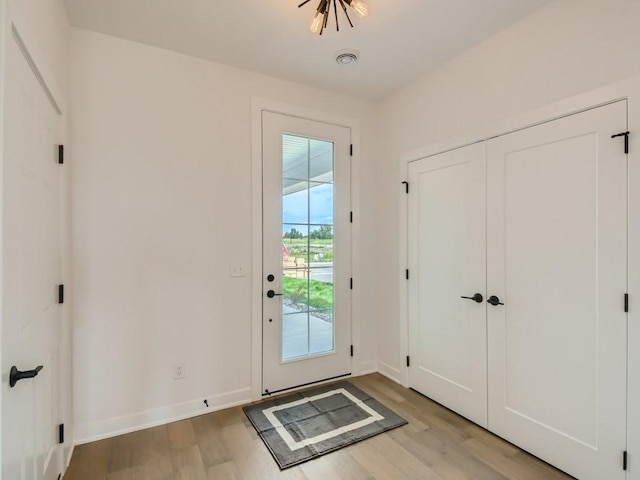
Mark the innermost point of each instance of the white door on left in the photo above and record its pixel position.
(306, 248)
(447, 258)
(31, 256)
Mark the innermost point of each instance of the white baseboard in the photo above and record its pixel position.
(111, 427)
(368, 367)
(390, 372)
(67, 460)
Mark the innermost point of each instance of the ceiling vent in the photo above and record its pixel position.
(347, 57)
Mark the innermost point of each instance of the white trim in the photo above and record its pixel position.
(297, 445)
(67, 461)
(390, 372)
(41, 69)
(4, 26)
(626, 89)
(403, 283)
(34, 67)
(259, 105)
(111, 427)
(368, 367)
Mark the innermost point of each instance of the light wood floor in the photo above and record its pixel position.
(436, 445)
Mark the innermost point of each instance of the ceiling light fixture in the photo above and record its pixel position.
(321, 17)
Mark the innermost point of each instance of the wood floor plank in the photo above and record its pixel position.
(187, 464)
(224, 471)
(181, 434)
(437, 444)
(403, 460)
(213, 449)
(90, 461)
(375, 464)
(137, 448)
(338, 464)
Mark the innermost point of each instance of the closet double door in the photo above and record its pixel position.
(518, 248)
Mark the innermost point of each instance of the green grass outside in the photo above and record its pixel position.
(320, 293)
(308, 249)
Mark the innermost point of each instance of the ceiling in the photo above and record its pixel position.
(399, 40)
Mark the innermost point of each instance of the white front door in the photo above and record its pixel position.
(30, 272)
(447, 261)
(557, 260)
(306, 252)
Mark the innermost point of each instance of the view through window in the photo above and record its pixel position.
(307, 246)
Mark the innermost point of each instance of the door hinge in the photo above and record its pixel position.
(352, 350)
(625, 460)
(407, 274)
(351, 283)
(408, 361)
(406, 187)
(350, 217)
(61, 433)
(626, 303)
(60, 293)
(626, 139)
(60, 154)
(351, 150)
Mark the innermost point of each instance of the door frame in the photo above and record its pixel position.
(629, 90)
(259, 105)
(16, 29)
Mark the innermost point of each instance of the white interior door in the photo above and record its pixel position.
(557, 259)
(447, 258)
(31, 273)
(306, 252)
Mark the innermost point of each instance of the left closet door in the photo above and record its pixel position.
(447, 262)
(31, 270)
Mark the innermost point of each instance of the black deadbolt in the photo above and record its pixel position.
(270, 278)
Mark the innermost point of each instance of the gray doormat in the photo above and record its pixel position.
(305, 425)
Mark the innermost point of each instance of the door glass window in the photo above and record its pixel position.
(307, 246)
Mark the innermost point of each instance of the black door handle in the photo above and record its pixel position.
(272, 294)
(476, 298)
(493, 300)
(15, 375)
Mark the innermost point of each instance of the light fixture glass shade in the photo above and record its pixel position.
(360, 7)
(316, 22)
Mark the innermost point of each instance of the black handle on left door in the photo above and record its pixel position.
(476, 298)
(272, 294)
(16, 375)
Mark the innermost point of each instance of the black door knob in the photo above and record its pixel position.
(272, 294)
(15, 375)
(476, 298)
(493, 300)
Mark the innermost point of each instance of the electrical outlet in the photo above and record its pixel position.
(237, 270)
(179, 370)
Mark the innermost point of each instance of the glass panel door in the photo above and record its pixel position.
(307, 246)
(306, 167)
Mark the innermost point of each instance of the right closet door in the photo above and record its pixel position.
(557, 265)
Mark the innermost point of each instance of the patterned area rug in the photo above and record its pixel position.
(305, 425)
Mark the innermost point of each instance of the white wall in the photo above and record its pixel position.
(161, 208)
(567, 47)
